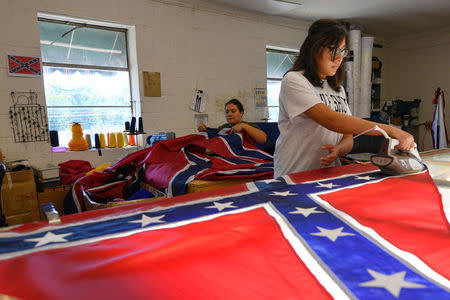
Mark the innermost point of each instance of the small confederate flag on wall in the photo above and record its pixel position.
(24, 65)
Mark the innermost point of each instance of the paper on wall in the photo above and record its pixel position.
(198, 100)
(200, 118)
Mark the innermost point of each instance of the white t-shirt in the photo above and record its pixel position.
(298, 147)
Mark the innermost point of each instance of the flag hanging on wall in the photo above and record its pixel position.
(28, 66)
(438, 128)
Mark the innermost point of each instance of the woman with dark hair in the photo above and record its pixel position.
(315, 122)
(234, 110)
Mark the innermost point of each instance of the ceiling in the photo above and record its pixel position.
(385, 19)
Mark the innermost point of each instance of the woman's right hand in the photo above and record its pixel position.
(405, 139)
(201, 127)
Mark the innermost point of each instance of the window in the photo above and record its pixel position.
(86, 77)
(278, 63)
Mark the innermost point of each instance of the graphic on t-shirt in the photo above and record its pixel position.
(335, 102)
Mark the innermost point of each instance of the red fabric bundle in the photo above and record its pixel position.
(71, 170)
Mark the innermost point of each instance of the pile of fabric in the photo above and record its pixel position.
(170, 165)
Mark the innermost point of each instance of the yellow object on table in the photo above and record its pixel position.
(98, 169)
(112, 140)
(77, 142)
(102, 140)
(120, 143)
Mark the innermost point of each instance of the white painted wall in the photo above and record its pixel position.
(415, 66)
(192, 43)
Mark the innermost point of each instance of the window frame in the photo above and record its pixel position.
(87, 24)
(280, 51)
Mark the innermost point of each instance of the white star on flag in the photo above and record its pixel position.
(49, 238)
(393, 283)
(284, 194)
(364, 177)
(327, 185)
(145, 220)
(267, 181)
(221, 206)
(332, 234)
(306, 211)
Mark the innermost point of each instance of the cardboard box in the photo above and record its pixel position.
(19, 193)
(205, 185)
(22, 218)
(90, 204)
(55, 195)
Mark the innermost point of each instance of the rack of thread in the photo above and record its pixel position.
(130, 129)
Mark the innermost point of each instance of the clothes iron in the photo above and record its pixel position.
(396, 162)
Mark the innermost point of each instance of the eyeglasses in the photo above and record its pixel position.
(335, 51)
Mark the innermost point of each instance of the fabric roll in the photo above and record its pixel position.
(364, 110)
(355, 46)
(348, 67)
(364, 103)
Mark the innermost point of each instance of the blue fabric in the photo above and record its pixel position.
(141, 194)
(272, 132)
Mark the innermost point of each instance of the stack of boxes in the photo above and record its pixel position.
(19, 197)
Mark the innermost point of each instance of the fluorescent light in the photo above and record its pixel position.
(295, 2)
(44, 42)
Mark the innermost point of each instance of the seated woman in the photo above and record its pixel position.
(233, 113)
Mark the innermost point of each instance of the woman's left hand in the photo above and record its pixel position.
(333, 154)
(238, 127)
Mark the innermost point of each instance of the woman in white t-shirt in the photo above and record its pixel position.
(315, 122)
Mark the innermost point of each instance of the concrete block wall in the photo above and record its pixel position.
(191, 43)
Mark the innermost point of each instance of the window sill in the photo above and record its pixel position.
(127, 148)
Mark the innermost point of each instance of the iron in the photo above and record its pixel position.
(396, 162)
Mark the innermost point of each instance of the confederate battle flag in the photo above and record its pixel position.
(348, 232)
(24, 66)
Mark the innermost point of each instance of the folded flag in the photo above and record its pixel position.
(438, 128)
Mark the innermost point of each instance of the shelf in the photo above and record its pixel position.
(134, 133)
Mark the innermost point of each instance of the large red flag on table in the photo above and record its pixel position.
(346, 232)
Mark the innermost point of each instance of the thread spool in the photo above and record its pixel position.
(141, 125)
(131, 140)
(133, 124)
(102, 141)
(125, 139)
(120, 142)
(98, 144)
(54, 140)
(87, 137)
(97, 141)
(127, 126)
(112, 140)
(107, 139)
